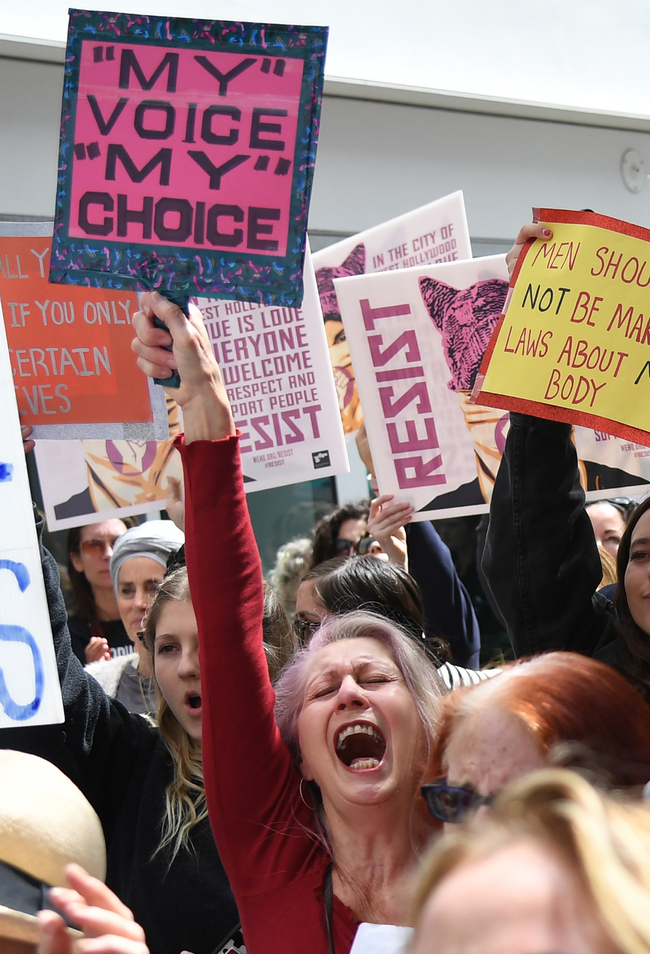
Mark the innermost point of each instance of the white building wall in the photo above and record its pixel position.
(375, 159)
(30, 112)
(589, 54)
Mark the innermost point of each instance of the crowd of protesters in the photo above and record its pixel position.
(318, 763)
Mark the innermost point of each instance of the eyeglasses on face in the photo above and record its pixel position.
(450, 804)
(305, 628)
(97, 546)
(361, 547)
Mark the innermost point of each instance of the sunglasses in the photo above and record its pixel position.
(624, 505)
(96, 546)
(342, 546)
(450, 804)
(305, 628)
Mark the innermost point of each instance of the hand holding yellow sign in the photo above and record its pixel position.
(574, 342)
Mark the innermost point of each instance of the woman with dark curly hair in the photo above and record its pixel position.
(339, 533)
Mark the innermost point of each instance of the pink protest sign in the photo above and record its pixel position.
(245, 116)
(187, 149)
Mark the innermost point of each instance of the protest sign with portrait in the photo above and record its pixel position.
(89, 481)
(417, 338)
(436, 232)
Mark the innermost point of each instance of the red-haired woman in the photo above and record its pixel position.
(504, 728)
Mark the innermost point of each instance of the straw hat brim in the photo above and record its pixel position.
(22, 927)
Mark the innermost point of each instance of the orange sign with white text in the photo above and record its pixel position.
(70, 346)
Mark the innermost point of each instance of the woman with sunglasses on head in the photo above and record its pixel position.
(541, 560)
(495, 732)
(313, 802)
(96, 629)
(340, 532)
(377, 586)
(367, 528)
(384, 531)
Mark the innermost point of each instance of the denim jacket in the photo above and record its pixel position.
(540, 560)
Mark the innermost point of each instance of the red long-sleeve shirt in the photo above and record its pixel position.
(262, 828)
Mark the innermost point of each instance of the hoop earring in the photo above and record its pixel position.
(312, 808)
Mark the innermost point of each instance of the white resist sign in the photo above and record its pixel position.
(29, 687)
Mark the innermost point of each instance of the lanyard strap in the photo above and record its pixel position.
(233, 938)
(328, 893)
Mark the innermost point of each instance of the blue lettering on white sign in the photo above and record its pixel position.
(18, 634)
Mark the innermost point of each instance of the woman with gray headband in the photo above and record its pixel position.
(137, 567)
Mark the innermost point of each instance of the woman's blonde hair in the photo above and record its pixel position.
(280, 637)
(608, 564)
(604, 843)
(185, 804)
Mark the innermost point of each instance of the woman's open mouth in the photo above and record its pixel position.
(360, 746)
(193, 701)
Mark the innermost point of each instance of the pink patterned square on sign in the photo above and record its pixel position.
(184, 147)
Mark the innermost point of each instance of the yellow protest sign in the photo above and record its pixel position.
(574, 341)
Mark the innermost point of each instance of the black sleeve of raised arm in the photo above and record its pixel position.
(540, 559)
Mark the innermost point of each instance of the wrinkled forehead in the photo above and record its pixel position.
(489, 746)
(140, 569)
(348, 655)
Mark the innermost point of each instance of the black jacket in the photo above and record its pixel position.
(540, 560)
(121, 764)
